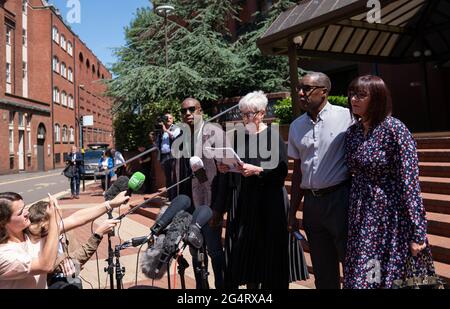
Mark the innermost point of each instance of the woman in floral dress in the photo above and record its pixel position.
(387, 224)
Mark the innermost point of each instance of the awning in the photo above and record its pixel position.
(409, 31)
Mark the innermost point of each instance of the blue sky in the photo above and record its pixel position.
(102, 23)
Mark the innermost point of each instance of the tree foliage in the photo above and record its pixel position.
(204, 61)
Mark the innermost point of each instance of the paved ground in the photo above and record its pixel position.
(35, 186)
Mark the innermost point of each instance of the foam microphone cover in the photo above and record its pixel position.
(121, 184)
(179, 203)
(201, 215)
(150, 260)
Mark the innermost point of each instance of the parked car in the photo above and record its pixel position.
(98, 146)
(91, 158)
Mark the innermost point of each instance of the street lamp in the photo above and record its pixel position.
(163, 11)
(80, 125)
(80, 121)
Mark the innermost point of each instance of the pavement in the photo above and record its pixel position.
(35, 186)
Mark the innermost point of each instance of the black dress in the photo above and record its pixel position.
(257, 240)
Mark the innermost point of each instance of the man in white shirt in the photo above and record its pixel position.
(316, 143)
(119, 160)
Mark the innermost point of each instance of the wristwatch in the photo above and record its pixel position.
(99, 237)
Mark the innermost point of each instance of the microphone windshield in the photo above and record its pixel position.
(136, 181)
(121, 184)
(181, 202)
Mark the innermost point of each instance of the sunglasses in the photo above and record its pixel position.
(308, 88)
(191, 109)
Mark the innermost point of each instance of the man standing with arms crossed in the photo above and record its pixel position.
(316, 143)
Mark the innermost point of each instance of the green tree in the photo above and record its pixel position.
(204, 61)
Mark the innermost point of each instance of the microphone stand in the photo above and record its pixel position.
(203, 270)
(119, 269)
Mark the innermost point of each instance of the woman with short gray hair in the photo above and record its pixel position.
(258, 245)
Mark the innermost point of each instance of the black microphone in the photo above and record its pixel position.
(200, 217)
(198, 169)
(134, 242)
(179, 203)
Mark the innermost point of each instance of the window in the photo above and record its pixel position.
(57, 157)
(93, 69)
(56, 95)
(21, 123)
(64, 134)
(71, 135)
(24, 37)
(28, 118)
(70, 101)
(88, 64)
(55, 35)
(11, 118)
(28, 141)
(55, 64)
(8, 73)
(11, 141)
(24, 69)
(57, 133)
(63, 98)
(63, 70)
(8, 35)
(69, 48)
(63, 42)
(70, 74)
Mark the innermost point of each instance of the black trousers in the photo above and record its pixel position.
(326, 226)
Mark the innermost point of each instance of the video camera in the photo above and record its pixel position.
(161, 119)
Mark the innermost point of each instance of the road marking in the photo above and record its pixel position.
(60, 194)
(27, 179)
(31, 190)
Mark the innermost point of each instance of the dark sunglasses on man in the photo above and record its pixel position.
(191, 109)
(308, 88)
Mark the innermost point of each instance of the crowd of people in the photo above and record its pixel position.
(356, 170)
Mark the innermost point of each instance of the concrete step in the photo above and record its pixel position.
(437, 185)
(434, 155)
(438, 224)
(440, 248)
(438, 203)
(434, 169)
(433, 142)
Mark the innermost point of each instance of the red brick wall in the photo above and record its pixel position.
(41, 80)
(92, 101)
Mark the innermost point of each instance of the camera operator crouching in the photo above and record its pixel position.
(166, 133)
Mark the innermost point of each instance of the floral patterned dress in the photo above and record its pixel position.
(386, 210)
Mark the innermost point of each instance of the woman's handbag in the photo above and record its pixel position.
(68, 171)
(419, 282)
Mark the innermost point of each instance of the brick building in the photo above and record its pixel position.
(50, 79)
